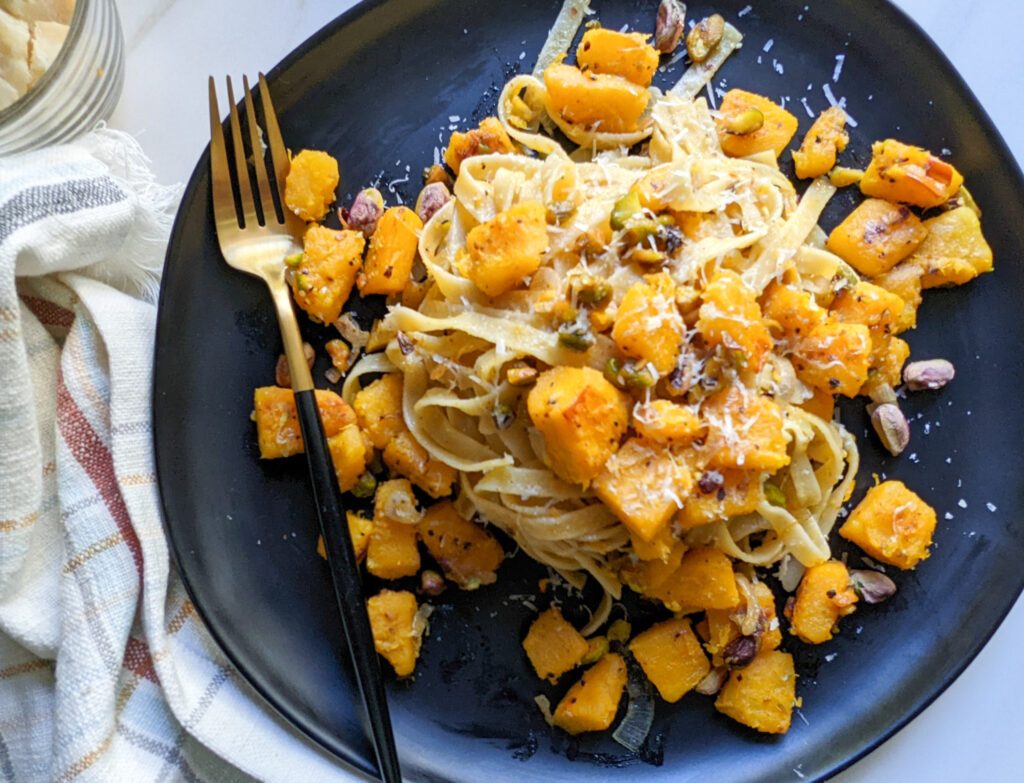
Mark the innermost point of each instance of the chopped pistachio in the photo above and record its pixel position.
(624, 209)
(503, 415)
(774, 495)
(745, 122)
(366, 486)
(575, 337)
(704, 37)
(293, 261)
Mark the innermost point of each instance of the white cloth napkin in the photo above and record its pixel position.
(106, 672)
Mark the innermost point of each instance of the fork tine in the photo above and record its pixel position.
(220, 175)
(278, 152)
(241, 168)
(258, 157)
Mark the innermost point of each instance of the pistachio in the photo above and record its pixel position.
(294, 261)
(365, 211)
(745, 122)
(712, 682)
(928, 374)
(872, 587)
(405, 345)
(891, 426)
(598, 647)
(620, 631)
(503, 415)
(520, 375)
(593, 293)
(774, 495)
(704, 37)
(576, 337)
(641, 378)
(741, 651)
(669, 26)
(431, 582)
(624, 209)
(366, 486)
(432, 198)
(612, 368)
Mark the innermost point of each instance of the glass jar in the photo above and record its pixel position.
(78, 90)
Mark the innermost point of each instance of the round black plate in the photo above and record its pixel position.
(380, 89)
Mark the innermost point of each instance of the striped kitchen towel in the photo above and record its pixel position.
(106, 672)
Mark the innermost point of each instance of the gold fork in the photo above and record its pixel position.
(257, 242)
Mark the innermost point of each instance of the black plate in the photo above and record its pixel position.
(379, 89)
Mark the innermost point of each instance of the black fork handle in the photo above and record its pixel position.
(348, 589)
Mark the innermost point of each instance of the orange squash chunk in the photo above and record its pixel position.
(392, 251)
(467, 553)
(793, 313)
(822, 404)
(954, 252)
(876, 236)
(553, 645)
(667, 422)
(892, 524)
(643, 486)
(739, 493)
(887, 360)
(671, 656)
(322, 282)
(825, 594)
(912, 175)
(648, 326)
(826, 138)
(277, 420)
(489, 137)
(623, 54)
(407, 457)
(762, 694)
(397, 631)
(835, 357)
(359, 529)
(776, 132)
(348, 455)
(597, 101)
(378, 408)
(731, 317)
(591, 703)
(704, 580)
(904, 280)
(658, 548)
(309, 186)
(744, 431)
(582, 418)
(392, 551)
(649, 576)
(507, 249)
(868, 304)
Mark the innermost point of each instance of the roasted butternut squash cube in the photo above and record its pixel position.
(553, 645)
(822, 404)
(887, 360)
(704, 580)
(489, 137)
(378, 408)
(793, 313)
(730, 317)
(904, 280)
(648, 577)
(672, 658)
(277, 420)
(658, 548)
(322, 282)
(506, 250)
(582, 418)
(591, 703)
(744, 431)
(911, 175)
(597, 101)
(359, 529)
(648, 326)
(623, 54)
(892, 524)
(309, 186)
(392, 252)
(397, 628)
(762, 694)
(404, 455)
(776, 132)
(834, 356)
(876, 236)
(644, 486)
(667, 422)
(825, 594)
(826, 137)
(738, 493)
(871, 305)
(466, 552)
(392, 551)
(348, 454)
(954, 251)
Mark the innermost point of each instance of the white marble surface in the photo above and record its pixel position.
(972, 732)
